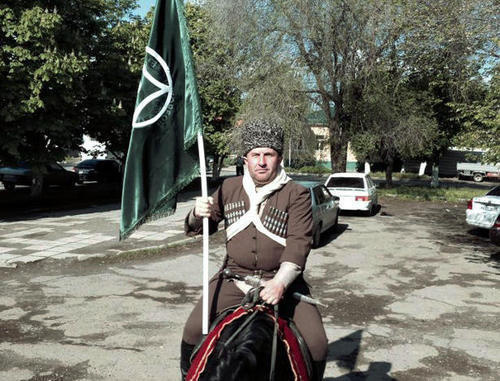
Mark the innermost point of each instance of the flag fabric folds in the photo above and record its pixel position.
(162, 157)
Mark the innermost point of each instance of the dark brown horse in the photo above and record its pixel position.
(240, 347)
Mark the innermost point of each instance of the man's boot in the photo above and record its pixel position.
(186, 351)
(319, 369)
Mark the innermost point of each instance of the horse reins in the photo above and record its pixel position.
(275, 344)
(255, 297)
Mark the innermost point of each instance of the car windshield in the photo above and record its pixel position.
(88, 163)
(494, 192)
(345, 182)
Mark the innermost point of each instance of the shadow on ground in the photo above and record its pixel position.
(18, 204)
(332, 234)
(344, 352)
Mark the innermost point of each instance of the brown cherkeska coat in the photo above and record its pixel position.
(286, 213)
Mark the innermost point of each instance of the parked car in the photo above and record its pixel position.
(356, 191)
(100, 170)
(484, 212)
(495, 232)
(478, 172)
(23, 175)
(325, 209)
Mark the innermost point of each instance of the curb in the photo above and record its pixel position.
(143, 251)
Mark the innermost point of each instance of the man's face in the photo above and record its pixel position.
(262, 164)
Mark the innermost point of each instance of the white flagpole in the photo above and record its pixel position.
(204, 193)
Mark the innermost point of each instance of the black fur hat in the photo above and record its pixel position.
(262, 133)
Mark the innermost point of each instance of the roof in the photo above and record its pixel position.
(348, 174)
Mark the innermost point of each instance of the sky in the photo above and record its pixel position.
(144, 6)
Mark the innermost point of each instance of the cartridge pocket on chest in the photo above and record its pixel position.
(233, 211)
(276, 221)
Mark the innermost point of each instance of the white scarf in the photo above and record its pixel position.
(256, 198)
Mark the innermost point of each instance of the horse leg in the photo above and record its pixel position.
(186, 350)
(318, 369)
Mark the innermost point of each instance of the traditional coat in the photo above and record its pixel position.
(287, 217)
(286, 213)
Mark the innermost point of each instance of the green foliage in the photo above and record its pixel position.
(220, 97)
(318, 170)
(116, 72)
(41, 80)
(49, 51)
(367, 65)
(481, 121)
(392, 122)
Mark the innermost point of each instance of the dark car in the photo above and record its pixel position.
(100, 170)
(495, 232)
(325, 209)
(22, 174)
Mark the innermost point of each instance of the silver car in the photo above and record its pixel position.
(325, 209)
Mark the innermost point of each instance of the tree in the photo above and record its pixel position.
(481, 120)
(47, 49)
(220, 97)
(41, 80)
(392, 124)
(447, 45)
(340, 46)
(333, 44)
(112, 83)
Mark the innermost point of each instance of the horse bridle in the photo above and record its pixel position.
(250, 301)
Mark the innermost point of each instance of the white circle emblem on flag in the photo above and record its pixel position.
(163, 89)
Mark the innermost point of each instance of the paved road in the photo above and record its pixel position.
(30, 235)
(81, 234)
(411, 297)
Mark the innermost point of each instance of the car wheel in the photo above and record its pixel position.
(373, 210)
(316, 237)
(478, 177)
(69, 184)
(336, 223)
(9, 186)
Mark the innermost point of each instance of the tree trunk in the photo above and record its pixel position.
(338, 141)
(220, 165)
(215, 168)
(338, 155)
(435, 169)
(435, 175)
(388, 174)
(36, 185)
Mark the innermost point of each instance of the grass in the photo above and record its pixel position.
(450, 194)
(400, 176)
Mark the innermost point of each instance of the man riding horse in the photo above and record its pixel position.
(268, 221)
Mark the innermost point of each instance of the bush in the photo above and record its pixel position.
(309, 169)
(228, 161)
(315, 169)
(305, 160)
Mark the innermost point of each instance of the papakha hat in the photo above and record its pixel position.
(262, 133)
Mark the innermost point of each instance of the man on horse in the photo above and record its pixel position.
(268, 221)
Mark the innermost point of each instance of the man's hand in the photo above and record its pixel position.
(272, 292)
(203, 207)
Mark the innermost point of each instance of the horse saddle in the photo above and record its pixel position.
(296, 348)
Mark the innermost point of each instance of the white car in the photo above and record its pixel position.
(483, 211)
(356, 191)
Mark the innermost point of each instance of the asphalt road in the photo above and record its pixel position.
(412, 294)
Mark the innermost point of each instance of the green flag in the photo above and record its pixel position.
(162, 157)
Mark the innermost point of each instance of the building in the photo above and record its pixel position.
(317, 124)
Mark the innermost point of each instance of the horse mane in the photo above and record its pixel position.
(248, 356)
